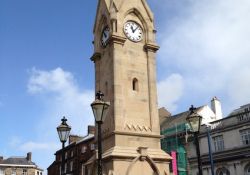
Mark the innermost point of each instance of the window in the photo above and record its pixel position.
(218, 143)
(106, 88)
(72, 153)
(65, 167)
(245, 136)
(1, 171)
(222, 171)
(84, 170)
(247, 169)
(92, 146)
(84, 149)
(135, 84)
(25, 172)
(71, 166)
(66, 155)
(13, 172)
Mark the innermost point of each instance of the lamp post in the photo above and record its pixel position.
(194, 121)
(63, 132)
(210, 150)
(100, 109)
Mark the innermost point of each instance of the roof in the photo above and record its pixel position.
(22, 161)
(86, 138)
(240, 110)
(177, 119)
(163, 113)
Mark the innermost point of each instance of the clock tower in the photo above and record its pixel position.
(125, 71)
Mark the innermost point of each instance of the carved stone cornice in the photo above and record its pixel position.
(117, 39)
(151, 47)
(96, 56)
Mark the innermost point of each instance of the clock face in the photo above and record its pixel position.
(133, 31)
(105, 36)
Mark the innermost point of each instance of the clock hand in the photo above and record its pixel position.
(131, 27)
(105, 35)
(136, 28)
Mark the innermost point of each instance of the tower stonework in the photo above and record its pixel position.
(125, 71)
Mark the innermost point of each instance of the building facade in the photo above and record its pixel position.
(175, 131)
(79, 150)
(230, 142)
(19, 166)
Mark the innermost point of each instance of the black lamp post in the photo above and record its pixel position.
(210, 150)
(194, 121)
(63, 132)
(100, 109)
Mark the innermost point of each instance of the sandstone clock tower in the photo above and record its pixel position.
(125, 71)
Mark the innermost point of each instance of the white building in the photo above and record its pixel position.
(230, 142)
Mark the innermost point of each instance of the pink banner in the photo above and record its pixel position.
(174, 163)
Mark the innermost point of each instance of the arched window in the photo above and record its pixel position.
(1, 171)
(247, 169)
(222, 171)
(106, 88)
(135, 85)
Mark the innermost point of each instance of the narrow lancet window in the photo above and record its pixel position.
(135, 85)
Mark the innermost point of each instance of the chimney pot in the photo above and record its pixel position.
(91, 129)
(216, 108)
(29, 154)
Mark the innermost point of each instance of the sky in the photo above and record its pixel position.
(46, 73)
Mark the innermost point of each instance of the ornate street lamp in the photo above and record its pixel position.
(63, 132)
(194, 121)
(100, 109)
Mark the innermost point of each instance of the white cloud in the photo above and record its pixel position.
(170, 91)
(14, 141)
(239, 90)
(210, 47)
(61, 96)
(34, 146)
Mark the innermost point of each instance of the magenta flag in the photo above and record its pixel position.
(174, 162)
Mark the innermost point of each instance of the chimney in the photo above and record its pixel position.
(216, 108)
(163, 114)
(29, 154)
(91, 129)
(74, 138)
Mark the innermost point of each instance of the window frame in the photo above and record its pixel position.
(2, 171)
(218, 143)
(245, 136)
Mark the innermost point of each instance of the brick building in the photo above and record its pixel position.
(79, 150)
(19, 166)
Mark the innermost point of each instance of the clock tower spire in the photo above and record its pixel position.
(124, 58)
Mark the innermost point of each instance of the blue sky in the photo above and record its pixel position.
(46, 73)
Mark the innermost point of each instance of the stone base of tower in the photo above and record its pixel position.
(133, 161)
